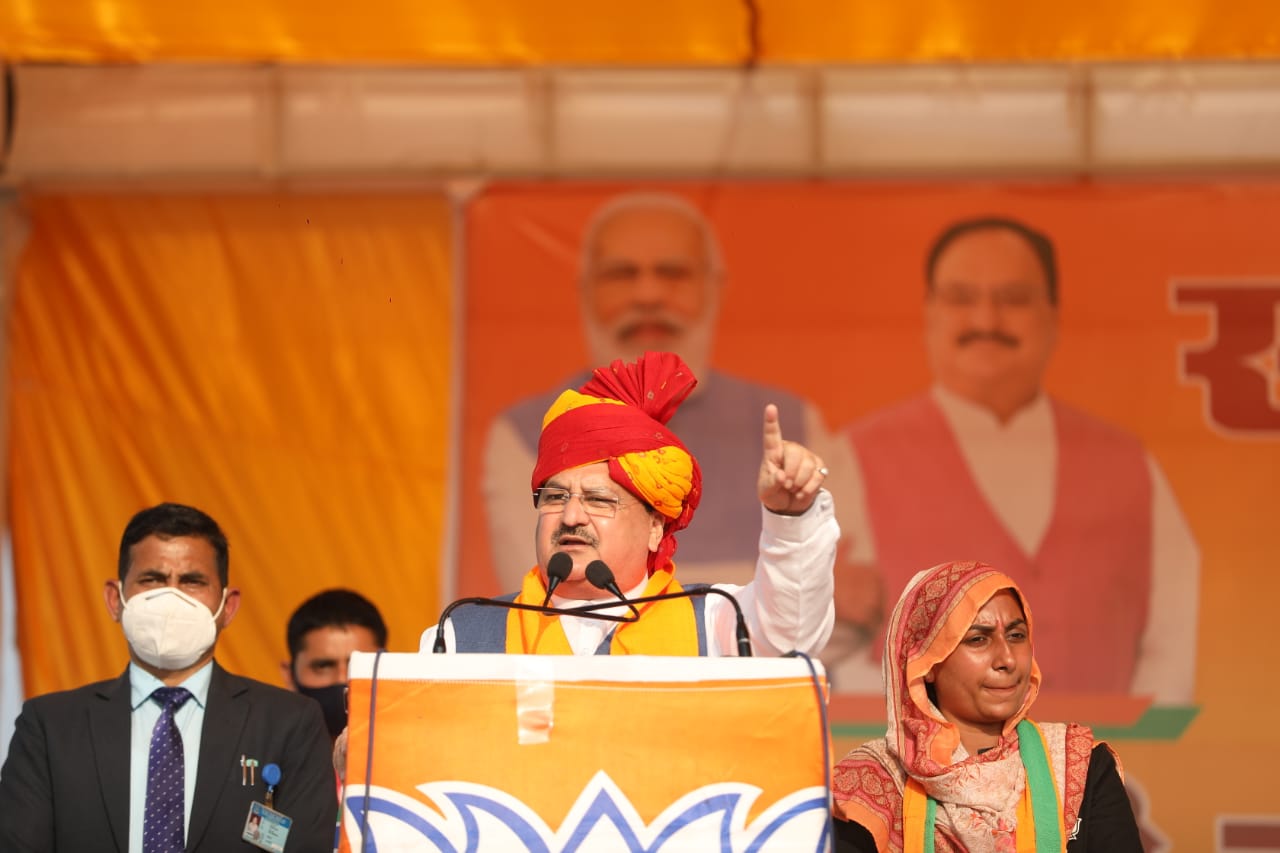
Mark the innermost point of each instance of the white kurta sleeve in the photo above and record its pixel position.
(788, 606)
(428, 639)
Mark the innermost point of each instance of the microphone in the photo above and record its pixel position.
(601, 576)
(558, 568)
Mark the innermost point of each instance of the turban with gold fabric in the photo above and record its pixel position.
(619, 416)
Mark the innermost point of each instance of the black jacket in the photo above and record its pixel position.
(65, 784)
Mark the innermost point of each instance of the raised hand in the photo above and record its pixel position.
(790, 473)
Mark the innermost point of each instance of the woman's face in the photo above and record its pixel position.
(983, 682)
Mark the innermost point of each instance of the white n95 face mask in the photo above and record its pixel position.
(168, 628)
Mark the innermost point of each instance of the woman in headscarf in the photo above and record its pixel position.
(961, 767)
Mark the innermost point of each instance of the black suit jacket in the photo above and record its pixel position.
(65, 784)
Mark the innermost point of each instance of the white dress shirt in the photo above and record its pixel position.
(146, 713)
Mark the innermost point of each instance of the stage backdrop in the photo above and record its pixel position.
(284, 362)
(569, 32)
(281, 361)
(1166, 351)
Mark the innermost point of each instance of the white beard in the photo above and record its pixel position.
(693, 344)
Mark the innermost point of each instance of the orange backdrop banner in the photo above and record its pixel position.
(285, 363)
(280, 361)
(1168, 299)
(668, 32)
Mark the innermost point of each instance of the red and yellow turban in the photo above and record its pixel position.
(619, 416)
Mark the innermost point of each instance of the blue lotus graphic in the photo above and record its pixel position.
(471, 818)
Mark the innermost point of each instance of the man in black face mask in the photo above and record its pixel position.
(322, 634)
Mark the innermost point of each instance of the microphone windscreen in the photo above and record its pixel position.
(559, 566)
(599, 574)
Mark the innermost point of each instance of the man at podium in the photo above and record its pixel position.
(613, 486)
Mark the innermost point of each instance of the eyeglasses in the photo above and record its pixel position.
(599, 504)
(1001, 297)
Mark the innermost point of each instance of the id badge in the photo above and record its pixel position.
(266, 828)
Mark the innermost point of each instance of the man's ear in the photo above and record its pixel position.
(931, 676)
(229, 608)
(657, 524)
(111, 595)
(286, 675)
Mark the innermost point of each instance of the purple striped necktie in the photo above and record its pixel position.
(162, 826)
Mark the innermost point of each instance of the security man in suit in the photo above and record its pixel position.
(173, 754)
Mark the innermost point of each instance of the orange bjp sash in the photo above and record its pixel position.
(1038, 831)
(664, 627)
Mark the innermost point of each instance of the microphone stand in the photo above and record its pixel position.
(588, 611)
(744, 640)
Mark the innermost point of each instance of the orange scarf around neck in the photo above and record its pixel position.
(664, 627)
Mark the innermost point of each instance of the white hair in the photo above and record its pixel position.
(696, 344)
(648, 200)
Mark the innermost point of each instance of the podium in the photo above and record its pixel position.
(481, 752)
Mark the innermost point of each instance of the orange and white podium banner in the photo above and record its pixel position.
(559, 753)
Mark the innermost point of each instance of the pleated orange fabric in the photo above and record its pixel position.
(282, 361)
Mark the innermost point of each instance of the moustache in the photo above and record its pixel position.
(582, 533)
(630, 326)
(994, 335)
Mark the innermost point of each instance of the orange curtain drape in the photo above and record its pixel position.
(671, 32)
(281, 361)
